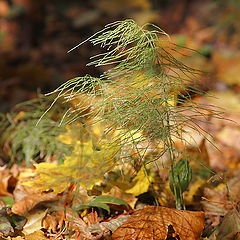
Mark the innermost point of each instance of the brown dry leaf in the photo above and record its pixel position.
(50, 223)
(4, 178)
(216, 201)
(7, 179)
(29, 202)
(230, 226)
(161, 223)
(75, 223)
(22, 191)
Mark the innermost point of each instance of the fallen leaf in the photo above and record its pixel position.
(34, 222)
(217, 201)
(22, 191)
(192, 197)
(29, 202)
(37, 235)
(199, 156)
(230, 226)
(5, 226)
(89, 161)
(161, 223)
(115, 223)
(5, 176)
(50, 223)
(140, 184)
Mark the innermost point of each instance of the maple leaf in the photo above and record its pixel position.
(89, 161)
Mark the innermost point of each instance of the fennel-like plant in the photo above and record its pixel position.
(140, 96)
(29, 142)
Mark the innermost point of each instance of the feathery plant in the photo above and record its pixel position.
(28, 142)
(140, 97)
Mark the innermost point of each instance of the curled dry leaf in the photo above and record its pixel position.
(161, 223)
(29, 202)
(50, 223)
(7, 179)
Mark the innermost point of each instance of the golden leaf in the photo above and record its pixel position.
(140, 184)
(87, 164)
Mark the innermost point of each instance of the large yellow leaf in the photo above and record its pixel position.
(87, 164)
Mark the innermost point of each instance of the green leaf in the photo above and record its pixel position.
(101, 202)
(8, 201)
(93, 204)
(108, 200)
(182, 176)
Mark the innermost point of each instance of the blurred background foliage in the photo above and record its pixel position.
(36, 35)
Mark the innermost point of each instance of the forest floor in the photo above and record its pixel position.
(55, 206)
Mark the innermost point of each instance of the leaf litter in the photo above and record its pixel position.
(151, 222)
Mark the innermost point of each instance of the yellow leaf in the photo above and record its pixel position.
(89, 161)
(15, 238)
(189, 198)
(37, 235)
(220, 187)
(26, 173)
(140, 184)
(49, 176)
